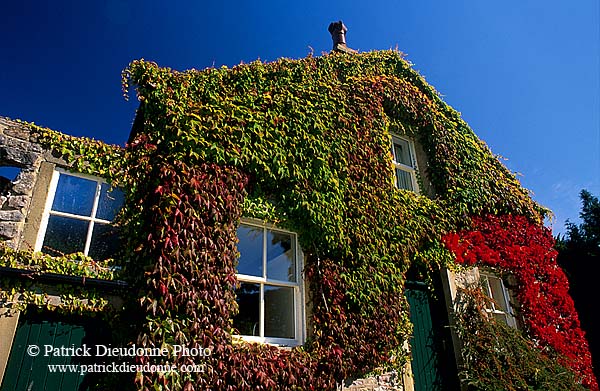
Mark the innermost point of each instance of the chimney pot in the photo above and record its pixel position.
(338, 35)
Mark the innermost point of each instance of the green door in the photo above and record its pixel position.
(424, 344)
(29, 372)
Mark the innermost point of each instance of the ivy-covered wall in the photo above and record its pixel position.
(305, 145)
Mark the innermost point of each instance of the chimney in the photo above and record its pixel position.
(338, 35)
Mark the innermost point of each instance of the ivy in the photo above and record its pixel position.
(311, 137)
(76, 264)
(497, 357)
(18, 295)
(526, 251)
(84, 155)
(304, 144)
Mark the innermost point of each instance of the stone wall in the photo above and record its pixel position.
(389, 381)
(20, 150)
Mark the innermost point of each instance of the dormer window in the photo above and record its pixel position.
(405, 163)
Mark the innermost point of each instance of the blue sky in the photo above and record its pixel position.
(524, 74)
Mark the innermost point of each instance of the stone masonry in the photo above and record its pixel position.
(18, 149)
(389, 381)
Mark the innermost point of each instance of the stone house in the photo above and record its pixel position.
(284, 226)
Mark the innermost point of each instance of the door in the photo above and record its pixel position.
(430, 359)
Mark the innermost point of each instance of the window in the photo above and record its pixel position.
(499, 306)
(77, 218)
(404, 163)
(270, 286)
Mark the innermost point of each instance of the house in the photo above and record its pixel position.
(310, 224)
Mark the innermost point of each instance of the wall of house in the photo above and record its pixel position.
(22, 201)
(8, 326)
(23, 198)
(21, 152)
(452, 282)
(19, 149)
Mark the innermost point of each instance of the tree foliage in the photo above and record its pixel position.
(584, 237)
(579, 256)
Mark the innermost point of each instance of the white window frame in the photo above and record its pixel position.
(496, 304)
(411, 170)
(298, 288)
(49, 212)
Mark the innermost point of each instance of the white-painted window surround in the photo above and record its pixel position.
(270, 293)
(500, 304)
(405, 163)
(77, 216)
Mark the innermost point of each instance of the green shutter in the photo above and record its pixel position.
(29, 373)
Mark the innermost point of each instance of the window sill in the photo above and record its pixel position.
(280, 343)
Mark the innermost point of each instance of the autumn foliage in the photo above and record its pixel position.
(515, 246)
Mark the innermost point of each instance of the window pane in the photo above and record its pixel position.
(497, 290)
(250, 246)
(402, 152)
(74, 195)
(248, 299)
(110, 202)
(281, 264)
(404, 180)
(105, 242)
(279, 312)
(64, 236)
